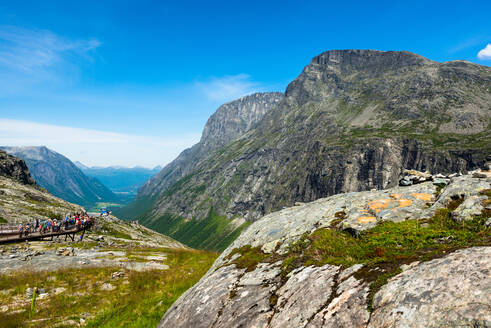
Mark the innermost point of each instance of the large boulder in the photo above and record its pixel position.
(451, 291)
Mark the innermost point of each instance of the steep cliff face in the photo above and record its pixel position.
(15, 169)
(60, 176)
(413, 263)
(233, 119)
(353, 120)
(227, 124)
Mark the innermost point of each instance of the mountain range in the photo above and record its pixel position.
(351, 121)
(61, 177)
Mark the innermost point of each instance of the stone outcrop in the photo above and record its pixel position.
(24, 203)
(451, 291)
(353, 120)
(454, 291)
(15, 168)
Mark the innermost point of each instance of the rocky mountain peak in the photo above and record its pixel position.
(236, 117)
(368, 59)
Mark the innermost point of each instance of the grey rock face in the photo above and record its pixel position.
(454, 291)
(347, 309)
(233, 119)
(209, 298)
(306, 292)
(15, 168)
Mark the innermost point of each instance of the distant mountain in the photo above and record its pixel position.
(61, 177)
(124, 180)
(80, 165)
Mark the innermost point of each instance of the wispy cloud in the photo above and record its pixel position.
(485, 54)
(466, 44)
(30, 56)
(95, 147)
(227, 88)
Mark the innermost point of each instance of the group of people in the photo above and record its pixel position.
(77, 220)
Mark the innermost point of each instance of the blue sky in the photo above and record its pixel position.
(140, 78)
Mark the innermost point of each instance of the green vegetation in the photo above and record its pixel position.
(213, 233)
(109, 230)
(138, 300)
(97, 206)
(2, 220)
(136, 209)
(382, 249)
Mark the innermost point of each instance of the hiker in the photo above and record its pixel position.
(37, 224)
(21, 230)
(28, 227)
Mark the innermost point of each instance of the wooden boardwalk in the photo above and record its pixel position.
(13, 237)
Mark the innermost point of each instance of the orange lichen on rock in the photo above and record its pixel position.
(379, 204)
(366, 219)
(395, 196)
(404, 202)
(423, 196)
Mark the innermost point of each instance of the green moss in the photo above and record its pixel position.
(2, 220)
(109, 230)
(381, 249)
(380, 281)
(249, 257)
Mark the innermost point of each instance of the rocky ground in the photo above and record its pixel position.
(21, 202)
(115, 258)
(105, 245)
(120, 274)
(413, 256)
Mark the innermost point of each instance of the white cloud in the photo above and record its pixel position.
(485, 54)
(29, 57)
(229, 88)
(94, 147)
